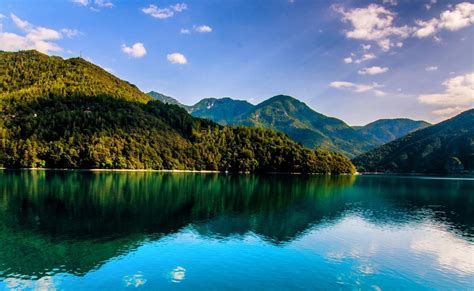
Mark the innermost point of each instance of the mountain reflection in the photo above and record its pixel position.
(74, 221)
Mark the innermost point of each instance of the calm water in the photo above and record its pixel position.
(109, 231)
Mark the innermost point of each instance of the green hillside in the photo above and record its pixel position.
(70, 113)
(165, 99)
(447, 147)
(300, 122)
(223, 110)
(27, 75)
(304, 125)
(386, 130)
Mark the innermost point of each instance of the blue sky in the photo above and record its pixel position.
(355, 60)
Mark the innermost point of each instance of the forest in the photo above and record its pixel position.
(69, 113)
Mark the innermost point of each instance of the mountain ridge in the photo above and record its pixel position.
(385, 130)
(446, 147)
(303, 124)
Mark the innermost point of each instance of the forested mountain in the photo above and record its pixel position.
(223, 111)
(447, 147)
(69, 113)
(386, 130)
(165, 99)
(304, 125)
(290, 116)
(300, 122)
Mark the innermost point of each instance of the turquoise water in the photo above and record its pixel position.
(158, 231)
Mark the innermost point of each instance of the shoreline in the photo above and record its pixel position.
(242, 173)
(173, 171)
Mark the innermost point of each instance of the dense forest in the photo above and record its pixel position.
(284, 114)
(447, 147)
(294, 118)
(69, 113)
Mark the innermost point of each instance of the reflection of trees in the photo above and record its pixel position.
(104, 204)
(81, 219)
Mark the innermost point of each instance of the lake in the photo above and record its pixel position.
(148, 230)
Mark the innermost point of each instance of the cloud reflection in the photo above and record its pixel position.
(178, 274)
(43, 283)
(135, 280)
(450, 251)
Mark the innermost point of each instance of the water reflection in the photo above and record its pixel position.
(75, 222)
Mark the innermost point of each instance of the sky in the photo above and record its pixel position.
(355, 60)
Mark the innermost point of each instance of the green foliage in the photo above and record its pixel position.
(447, 147)
(312, 129)
(223, 111)
(288, 115)
(261, 150)
(27, 75)
(59, 113)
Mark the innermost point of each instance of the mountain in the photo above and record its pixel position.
(290, 116)
(447, 147)
(223, 110)
(165, 99)
(32, 75)
(300, 122)
(69, 113)
(386, 130)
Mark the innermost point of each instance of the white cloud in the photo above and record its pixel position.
(156, 12)
(461, 16)
(457, 97)
(373, 70)
(184, 31)
(358, 88)
(177, 58)
(178, 7)
(104, 3)
(352, 58)
(391, 2)
(430, 4)
(431, 68)
(203, 28)
(365, 57)
(163, 13)
(81, 2)
(426, 28)
(94, 4)
(373, 23)
(366, 47)
(137, 50)
(348, 60)
(36, 37)
(23, 24)
(70, 32)
(450, 111)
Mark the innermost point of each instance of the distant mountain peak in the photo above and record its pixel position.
(386, 130)
(220, 110)
(281, 98)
